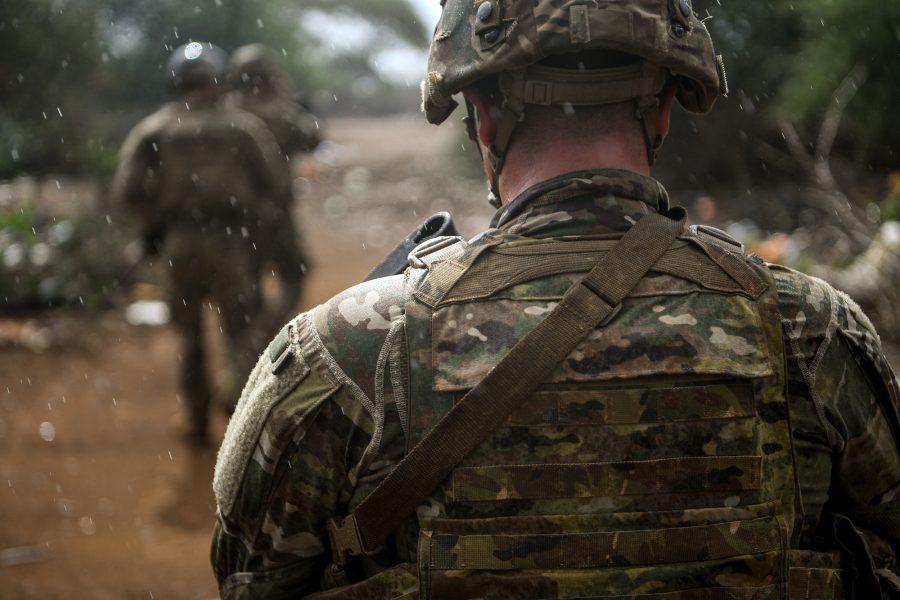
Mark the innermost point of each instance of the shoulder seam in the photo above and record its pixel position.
(314, 348)
(809, 369)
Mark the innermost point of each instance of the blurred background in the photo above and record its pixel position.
(98, 498)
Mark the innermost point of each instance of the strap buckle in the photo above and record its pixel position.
(717, 237)
(416, 256)
(346, 540)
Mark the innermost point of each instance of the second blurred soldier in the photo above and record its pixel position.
(262, 88)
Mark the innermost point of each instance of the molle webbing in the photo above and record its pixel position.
(769, 592)
(604, 548)
(815, 580)
(644, 406)
(586, 305)
(591, 480)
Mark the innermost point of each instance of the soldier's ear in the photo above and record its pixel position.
(666, 97)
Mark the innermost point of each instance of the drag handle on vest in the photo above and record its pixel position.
(437, 225)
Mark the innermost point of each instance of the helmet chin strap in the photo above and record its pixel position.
(512, 112)
(496, 154)
(647, 112)
(641, 82)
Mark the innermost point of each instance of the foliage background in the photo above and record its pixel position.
(75, 75)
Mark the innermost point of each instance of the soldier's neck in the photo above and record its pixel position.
(530, 164)
(201, 99)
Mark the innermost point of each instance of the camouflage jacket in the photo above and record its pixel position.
(199, 166)
(295, 129)
(329, 409)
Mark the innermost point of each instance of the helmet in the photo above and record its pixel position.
(474, 40)
(253, 65)
(516, 39)
(196, 65)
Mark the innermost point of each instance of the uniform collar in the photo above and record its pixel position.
(592, 202)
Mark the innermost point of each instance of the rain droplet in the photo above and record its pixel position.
(64, 507)
(47, 431)
(87, 526)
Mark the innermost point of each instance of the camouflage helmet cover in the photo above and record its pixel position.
(195, 65)
(475, 39)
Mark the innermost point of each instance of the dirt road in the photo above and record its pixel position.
(98, 497)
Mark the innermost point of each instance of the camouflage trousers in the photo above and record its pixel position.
(281, 250)
(213, 272)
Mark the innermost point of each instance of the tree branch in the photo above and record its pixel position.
(796, 146)
(840, 99)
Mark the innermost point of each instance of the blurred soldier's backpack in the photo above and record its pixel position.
(207, 169)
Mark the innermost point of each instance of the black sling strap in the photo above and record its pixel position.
(585, 305)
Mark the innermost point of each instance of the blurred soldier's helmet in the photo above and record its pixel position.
(196, 65)
(253, 66)
(519, 43)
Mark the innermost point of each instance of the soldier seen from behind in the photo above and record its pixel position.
(590, 399)
(262, 88)
(193, 174)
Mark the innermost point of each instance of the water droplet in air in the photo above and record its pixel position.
(47, 431)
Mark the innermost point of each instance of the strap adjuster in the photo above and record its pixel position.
(538, 92)
(416, 256)
(346, 540)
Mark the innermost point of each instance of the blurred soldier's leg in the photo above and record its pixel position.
(280, 253)
(291, 265)
(187, 292)
(237, 291)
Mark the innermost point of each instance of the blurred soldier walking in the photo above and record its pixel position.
(263, 89)
(589, 399)
(194, 174)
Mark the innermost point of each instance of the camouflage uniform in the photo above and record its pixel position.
(294, 129)
(296, 132)
(197, 172)
(656, 463)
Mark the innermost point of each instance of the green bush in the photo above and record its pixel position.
(50, 261)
